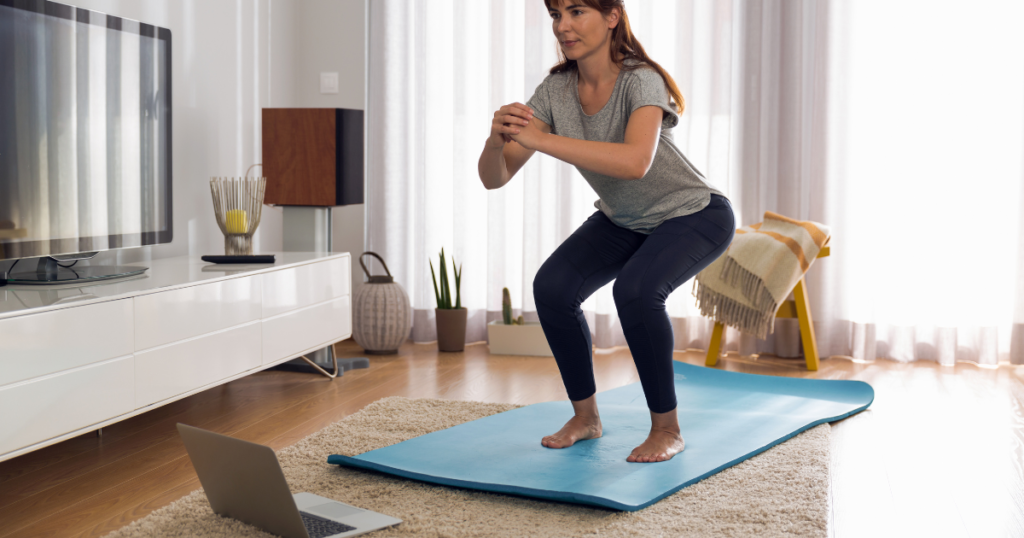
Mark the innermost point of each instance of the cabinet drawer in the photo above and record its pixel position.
(170, 316)
(35, 411)
(49, 342)
(310, 327)
(178, 368)
(305, 285)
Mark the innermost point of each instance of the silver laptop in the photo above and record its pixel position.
(244, 481)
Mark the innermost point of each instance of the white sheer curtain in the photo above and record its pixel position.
(926, 164)
(862, 116)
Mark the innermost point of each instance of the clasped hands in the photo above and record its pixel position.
(513, 123)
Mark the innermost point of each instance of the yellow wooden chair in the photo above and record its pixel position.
(799, 308)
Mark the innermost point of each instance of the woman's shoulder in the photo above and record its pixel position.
(640, 70)
(556, 81)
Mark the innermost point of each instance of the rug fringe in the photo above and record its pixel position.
(751, 285)
(730, 312)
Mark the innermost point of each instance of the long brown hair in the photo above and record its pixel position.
(623, 42)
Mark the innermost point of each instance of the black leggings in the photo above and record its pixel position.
(647, 268)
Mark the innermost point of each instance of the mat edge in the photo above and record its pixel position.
(530, 493)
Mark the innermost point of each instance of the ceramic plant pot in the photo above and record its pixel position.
(451, 328)
(528, 339)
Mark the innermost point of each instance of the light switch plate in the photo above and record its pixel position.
(328, 83)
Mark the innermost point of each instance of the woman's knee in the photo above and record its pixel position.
(628, 290)
(553, 285)
(641, 286)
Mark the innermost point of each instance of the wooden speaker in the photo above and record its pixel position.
(313, 156)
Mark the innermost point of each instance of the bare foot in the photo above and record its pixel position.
(660, 445)
(577, 429)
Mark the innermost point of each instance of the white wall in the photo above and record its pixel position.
(230, 58)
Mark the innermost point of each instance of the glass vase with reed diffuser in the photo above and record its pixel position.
(238, 205)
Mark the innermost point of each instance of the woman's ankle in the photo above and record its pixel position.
(665, 422)
(586, 408)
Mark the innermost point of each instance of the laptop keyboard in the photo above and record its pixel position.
(318, 527)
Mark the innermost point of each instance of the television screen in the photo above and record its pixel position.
(85, 131)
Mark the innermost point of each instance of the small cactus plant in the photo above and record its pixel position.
(506, 309)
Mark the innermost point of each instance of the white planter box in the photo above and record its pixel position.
(526, 339)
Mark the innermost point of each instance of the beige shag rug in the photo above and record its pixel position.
(780, 492)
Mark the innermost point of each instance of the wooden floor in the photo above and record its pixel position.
(939, 453)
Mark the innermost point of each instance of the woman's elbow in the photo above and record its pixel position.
(640, 170)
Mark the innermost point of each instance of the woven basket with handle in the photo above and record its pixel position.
(382, 314)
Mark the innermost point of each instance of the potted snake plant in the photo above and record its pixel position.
(451, 320)
(515, 336)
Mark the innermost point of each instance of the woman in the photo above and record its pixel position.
(604, 108)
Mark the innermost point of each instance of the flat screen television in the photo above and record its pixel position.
(85, 135)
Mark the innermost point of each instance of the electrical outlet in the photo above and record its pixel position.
(328, 83)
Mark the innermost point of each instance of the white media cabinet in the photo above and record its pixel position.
(76, 358)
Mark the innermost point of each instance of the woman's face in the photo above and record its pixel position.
(581, 30)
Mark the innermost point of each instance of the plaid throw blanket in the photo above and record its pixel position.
(744, 288)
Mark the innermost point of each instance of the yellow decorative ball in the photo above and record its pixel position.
(237, 221)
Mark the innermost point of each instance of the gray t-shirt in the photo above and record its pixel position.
(673, 187)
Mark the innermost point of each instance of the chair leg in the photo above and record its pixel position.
(714, 348)
(803, 314)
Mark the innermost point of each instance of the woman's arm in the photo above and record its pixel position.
(500, 160)
(491, 166)
(628, 160)
(498, 164)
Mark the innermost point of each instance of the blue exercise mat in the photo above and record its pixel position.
(725, 418)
